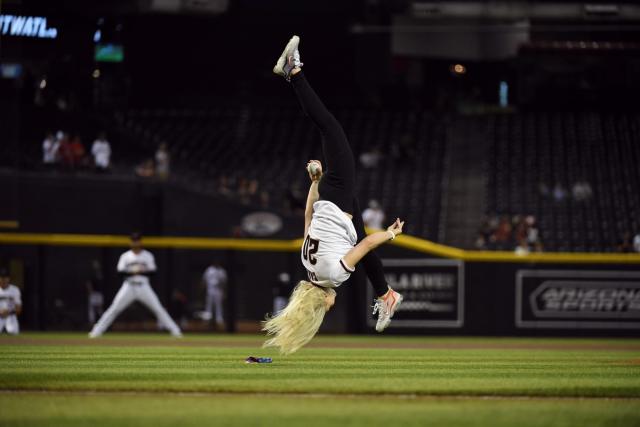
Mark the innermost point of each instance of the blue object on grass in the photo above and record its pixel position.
(252, 359)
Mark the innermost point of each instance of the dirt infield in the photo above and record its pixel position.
(325, 343)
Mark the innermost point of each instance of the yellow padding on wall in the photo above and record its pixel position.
(408, 242)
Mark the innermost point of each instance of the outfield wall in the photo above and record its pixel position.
(447, 290)
(520, 295)
(498, 298)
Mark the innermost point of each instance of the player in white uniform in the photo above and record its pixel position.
(136, 265)
(215, 278)
(10, 305)
(335, 240)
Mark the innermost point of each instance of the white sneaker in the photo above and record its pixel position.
(289, 59)
(93, 335)
(386, 308)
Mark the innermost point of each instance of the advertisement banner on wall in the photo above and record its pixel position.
(433, 291)
(572, 299)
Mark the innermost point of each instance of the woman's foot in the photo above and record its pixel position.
(386, 307)
(289, 63)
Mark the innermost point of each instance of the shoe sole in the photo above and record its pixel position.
(386, 324)
(291, 46)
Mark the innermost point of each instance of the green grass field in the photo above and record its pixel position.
(151, 379)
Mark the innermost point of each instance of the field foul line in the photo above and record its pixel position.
(398, 396)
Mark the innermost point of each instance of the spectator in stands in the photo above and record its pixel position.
(636, 242)
(64, 150)
(520, 233)
(145, 169)
(559, 193)
(50, 147)
(521, 229)
(224, 186)
(101, 151)
(485, 232)
(581, 191)
(493, 222)
(480, 242)
(370, 159)
(78, 152)
(543, 189)
(503, 233)
(533, 234)
(625, 244)
(490, 231)
(163, 159)
(248, 190)
(373, 215)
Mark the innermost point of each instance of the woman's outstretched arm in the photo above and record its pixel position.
(371, 242)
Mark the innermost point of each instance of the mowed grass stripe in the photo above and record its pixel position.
(479, 372)
(185, 411)
(322, 341)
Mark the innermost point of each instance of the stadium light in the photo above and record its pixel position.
(458, 69)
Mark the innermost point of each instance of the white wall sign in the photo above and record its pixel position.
(575, 299)
(26, 26)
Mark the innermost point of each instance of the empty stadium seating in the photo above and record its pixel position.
(274, 144)
(527, 150)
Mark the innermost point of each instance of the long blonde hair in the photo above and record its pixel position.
(295, 325)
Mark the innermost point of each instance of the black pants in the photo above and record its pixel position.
(338, 184)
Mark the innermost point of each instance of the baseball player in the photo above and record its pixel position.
(335, 239)
(136, 265)
(10, 304)
(215, 278)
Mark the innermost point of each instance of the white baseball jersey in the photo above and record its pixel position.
(135, 288)
(50, 150)
(331, 235)
(214, 277)
(10, 298)
(131, 263)
(101, 151)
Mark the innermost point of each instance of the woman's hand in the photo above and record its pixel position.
(314, 167)
(396, 227)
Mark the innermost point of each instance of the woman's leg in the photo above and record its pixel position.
(371, 261)
(339, 179)
(338, 182)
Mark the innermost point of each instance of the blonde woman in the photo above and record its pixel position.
(335, 239)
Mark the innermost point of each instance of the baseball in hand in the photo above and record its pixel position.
(314, 167)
